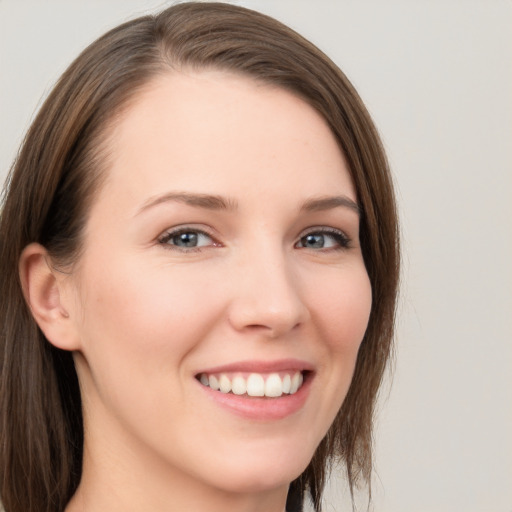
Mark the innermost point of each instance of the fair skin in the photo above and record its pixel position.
(224, 243)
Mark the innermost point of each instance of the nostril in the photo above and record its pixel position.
(272, 331)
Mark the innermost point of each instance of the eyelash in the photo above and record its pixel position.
(342, 241)
(169, 235)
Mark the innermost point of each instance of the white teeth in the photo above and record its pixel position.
(224, 384)
(272, 385)
(239, 386)
(287, 384)
(255, 385)
(213, 382)
(295, 383)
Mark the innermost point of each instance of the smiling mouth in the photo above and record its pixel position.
(271, 385)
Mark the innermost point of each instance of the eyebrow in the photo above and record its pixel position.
(210, 202)
(330, 202)
(215, 202)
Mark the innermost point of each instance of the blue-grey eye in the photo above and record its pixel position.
(323, 240)
(187, 239)
(313, 241)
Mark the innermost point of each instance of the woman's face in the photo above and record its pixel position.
(222, 250)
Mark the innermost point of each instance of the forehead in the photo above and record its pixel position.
(204, 129)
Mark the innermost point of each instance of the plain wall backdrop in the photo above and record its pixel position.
(437, 78)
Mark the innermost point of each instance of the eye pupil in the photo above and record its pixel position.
(186, 240)
(314, 240)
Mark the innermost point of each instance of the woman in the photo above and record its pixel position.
(199, 262)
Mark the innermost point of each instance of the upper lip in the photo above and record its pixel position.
(280, 365)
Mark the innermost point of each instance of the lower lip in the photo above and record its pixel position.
(262, 408)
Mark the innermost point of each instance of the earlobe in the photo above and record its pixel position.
(43, 290)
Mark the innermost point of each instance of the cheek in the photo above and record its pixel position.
(138, 326)
(344, 309)
(145, 306)
(340, 312)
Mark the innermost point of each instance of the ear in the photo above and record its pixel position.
(44, 290)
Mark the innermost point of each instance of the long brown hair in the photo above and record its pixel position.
(53, 181)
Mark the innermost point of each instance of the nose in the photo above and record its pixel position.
(266, 297)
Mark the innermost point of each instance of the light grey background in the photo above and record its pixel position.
(437, 77)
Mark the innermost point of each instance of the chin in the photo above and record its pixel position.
(250, 476)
